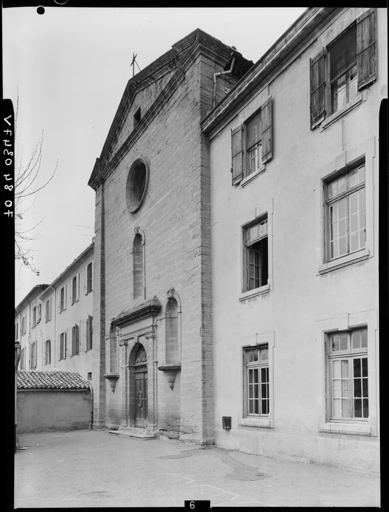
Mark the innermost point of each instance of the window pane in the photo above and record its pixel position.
(353, 84)
(265, 406)
(344, 368)
(361, 173)
(364, 339)
(256, 390)
(346, 409)
(336, 409)
(365, 388)
(356, 339)
(336, 369)
(365, 408)
(342, 246)
(345, 388)
(342, 205)
(358, 408)
(332, 189)
(264, 354)
(256, 407)
(344, 341)
(357, 388)
(357, 367)
(364, 366)
(353, 178)
(336, 388)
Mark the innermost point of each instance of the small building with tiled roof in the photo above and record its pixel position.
(51, 380)
(53, 400)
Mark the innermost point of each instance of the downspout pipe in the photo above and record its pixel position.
(216, 75)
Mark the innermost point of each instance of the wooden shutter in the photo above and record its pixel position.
(366, 48)
(317, 88)
(267, 130)
(236, 155)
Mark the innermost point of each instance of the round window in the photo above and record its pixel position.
(136, 185)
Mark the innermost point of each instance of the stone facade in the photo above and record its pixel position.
(171, 218)
(311, 294)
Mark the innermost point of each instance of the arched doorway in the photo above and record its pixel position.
(140, 409)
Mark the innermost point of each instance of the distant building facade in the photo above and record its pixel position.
(295, 244)
(54, 323)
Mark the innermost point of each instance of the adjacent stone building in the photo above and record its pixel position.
(294, 157)
(153, 367)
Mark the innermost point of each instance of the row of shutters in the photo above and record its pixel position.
(366, 65)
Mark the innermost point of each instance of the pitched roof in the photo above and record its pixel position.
(51, 380)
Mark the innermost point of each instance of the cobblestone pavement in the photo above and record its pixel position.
(96, 469)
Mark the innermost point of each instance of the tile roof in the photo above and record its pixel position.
(51, 380)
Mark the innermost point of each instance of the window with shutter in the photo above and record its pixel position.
(252, 143)
(341, 70)
(237, 155)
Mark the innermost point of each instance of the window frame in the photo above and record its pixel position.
(240, 152)
(62, 346)
(75, 340)
(89, 278)
(48, 352)
(256, 340)
(89, 333)
(329, 202)
(341, 323)
(63, 298)
(24, 324)
(249, 367)
(346, 160)
(48, 310)
(34, 316)
(321, 113)
(245, 256)
(350, 354)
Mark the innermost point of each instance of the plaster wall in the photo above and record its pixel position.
(39, 411)
(300, 297)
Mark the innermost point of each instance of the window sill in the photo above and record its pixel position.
(256, 422)
(342, 112)
(349, 259)
(251, 176)
(357, 429)
(255, 292)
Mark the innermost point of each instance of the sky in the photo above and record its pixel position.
(69, 68)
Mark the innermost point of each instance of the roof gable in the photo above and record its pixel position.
(174, 64)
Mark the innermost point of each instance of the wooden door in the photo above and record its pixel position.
(140, 396)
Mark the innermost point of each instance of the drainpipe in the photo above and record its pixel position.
(216, 75)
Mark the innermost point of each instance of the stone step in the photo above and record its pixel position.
(138, 433)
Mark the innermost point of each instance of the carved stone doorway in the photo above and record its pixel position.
(140, 381)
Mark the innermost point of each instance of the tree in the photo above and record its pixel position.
(26, 190)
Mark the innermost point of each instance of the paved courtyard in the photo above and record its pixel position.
(96, 469)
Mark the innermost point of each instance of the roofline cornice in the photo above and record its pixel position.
(32, 294)
(306, 26)
(68, 270)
